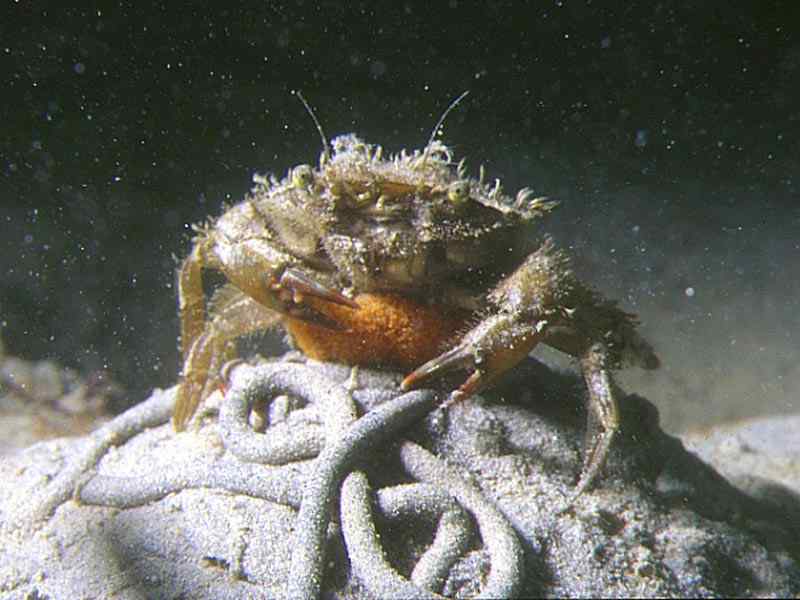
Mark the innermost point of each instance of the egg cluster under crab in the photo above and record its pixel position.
(401, 261)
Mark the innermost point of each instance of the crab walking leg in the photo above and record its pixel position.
(496, 345)
(602, 416)
(191, 299)
(263, 288)
(542, 301)
(235, 314)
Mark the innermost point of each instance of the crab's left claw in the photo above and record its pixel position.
(459, 357)
(492, 347)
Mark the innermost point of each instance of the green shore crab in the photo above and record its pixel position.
(402, 261)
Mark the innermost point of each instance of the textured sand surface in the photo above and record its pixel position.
(462, 502)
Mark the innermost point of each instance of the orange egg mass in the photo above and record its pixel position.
(386, 329)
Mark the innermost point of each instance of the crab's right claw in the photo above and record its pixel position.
(490, 349)
(294, 288)
(300, 285)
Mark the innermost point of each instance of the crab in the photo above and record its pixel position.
(401, 261)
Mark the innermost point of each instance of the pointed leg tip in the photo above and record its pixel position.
(179, 419)
(458, 395)
(186, 403)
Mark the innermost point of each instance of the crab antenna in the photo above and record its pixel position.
(439, 123)
(325, 154)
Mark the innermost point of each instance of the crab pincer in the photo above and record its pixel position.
(542, 301)
(294, 287)
(495, 346)
(491, 348)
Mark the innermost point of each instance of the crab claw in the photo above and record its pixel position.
(492, 347)
(295, 287)
(455, 358)
(301, 285)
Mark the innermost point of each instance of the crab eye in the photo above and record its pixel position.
(458, 192)
(302, 176)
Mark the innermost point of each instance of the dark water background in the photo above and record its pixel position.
(668, 131)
